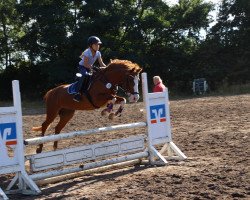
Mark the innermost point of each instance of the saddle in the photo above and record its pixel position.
(87, 82)
(72, 88)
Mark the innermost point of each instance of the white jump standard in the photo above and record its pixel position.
(11, 135)
(97, 156)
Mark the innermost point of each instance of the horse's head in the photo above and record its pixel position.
(130, 85)
(126, 75)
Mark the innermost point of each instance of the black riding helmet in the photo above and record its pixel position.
(93, 40)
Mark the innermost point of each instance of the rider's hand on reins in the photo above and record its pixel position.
(96, 69)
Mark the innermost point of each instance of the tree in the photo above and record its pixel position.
(226, 51)
(10, 32)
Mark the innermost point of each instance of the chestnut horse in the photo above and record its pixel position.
(102, 91)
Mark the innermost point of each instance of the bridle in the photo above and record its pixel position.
(123, 86)
(104, 79)
(127, 84)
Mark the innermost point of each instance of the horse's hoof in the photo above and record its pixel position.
(38, 150)
(104, 112)
(111, 116)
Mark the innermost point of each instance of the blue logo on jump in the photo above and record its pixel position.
(8, 133)
(157, 113)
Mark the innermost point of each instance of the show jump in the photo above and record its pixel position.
(155, 147)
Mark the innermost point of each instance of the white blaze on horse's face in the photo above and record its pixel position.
(135, 96)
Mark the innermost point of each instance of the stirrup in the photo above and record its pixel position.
(77, 97)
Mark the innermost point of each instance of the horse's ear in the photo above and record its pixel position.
(133, 70)
(139, 70)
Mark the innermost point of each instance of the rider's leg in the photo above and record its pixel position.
(86, 82)
(77, 96)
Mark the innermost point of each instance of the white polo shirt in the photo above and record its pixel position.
(91, 59)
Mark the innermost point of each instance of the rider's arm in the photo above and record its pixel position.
(86, 62)
(101, 63)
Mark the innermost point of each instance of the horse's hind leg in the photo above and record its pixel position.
(49, 119)
(65, 116)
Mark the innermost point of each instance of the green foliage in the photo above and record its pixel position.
(225, 54)
(10, 32)
(32, 81)
(225, 89)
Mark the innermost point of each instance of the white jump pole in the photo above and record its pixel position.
(4, 197)
(89, 166)
(146, 103)
(61, 136)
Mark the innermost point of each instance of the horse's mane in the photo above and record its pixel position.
(124, 64)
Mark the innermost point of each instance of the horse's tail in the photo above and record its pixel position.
(37, 128)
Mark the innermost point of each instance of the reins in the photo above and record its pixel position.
(104, 80)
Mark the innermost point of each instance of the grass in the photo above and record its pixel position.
(224, 90)
(233, 89)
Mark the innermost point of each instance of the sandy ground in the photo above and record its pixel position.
(214, 132)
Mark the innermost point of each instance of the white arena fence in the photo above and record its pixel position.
(49, 166)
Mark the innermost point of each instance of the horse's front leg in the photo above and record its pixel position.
(109, 108)
(122, 102)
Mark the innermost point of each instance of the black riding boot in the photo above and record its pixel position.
(85, 85)
(78, 96)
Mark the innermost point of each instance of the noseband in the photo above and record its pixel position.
(127, 85)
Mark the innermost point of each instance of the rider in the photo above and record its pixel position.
(88, 58)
